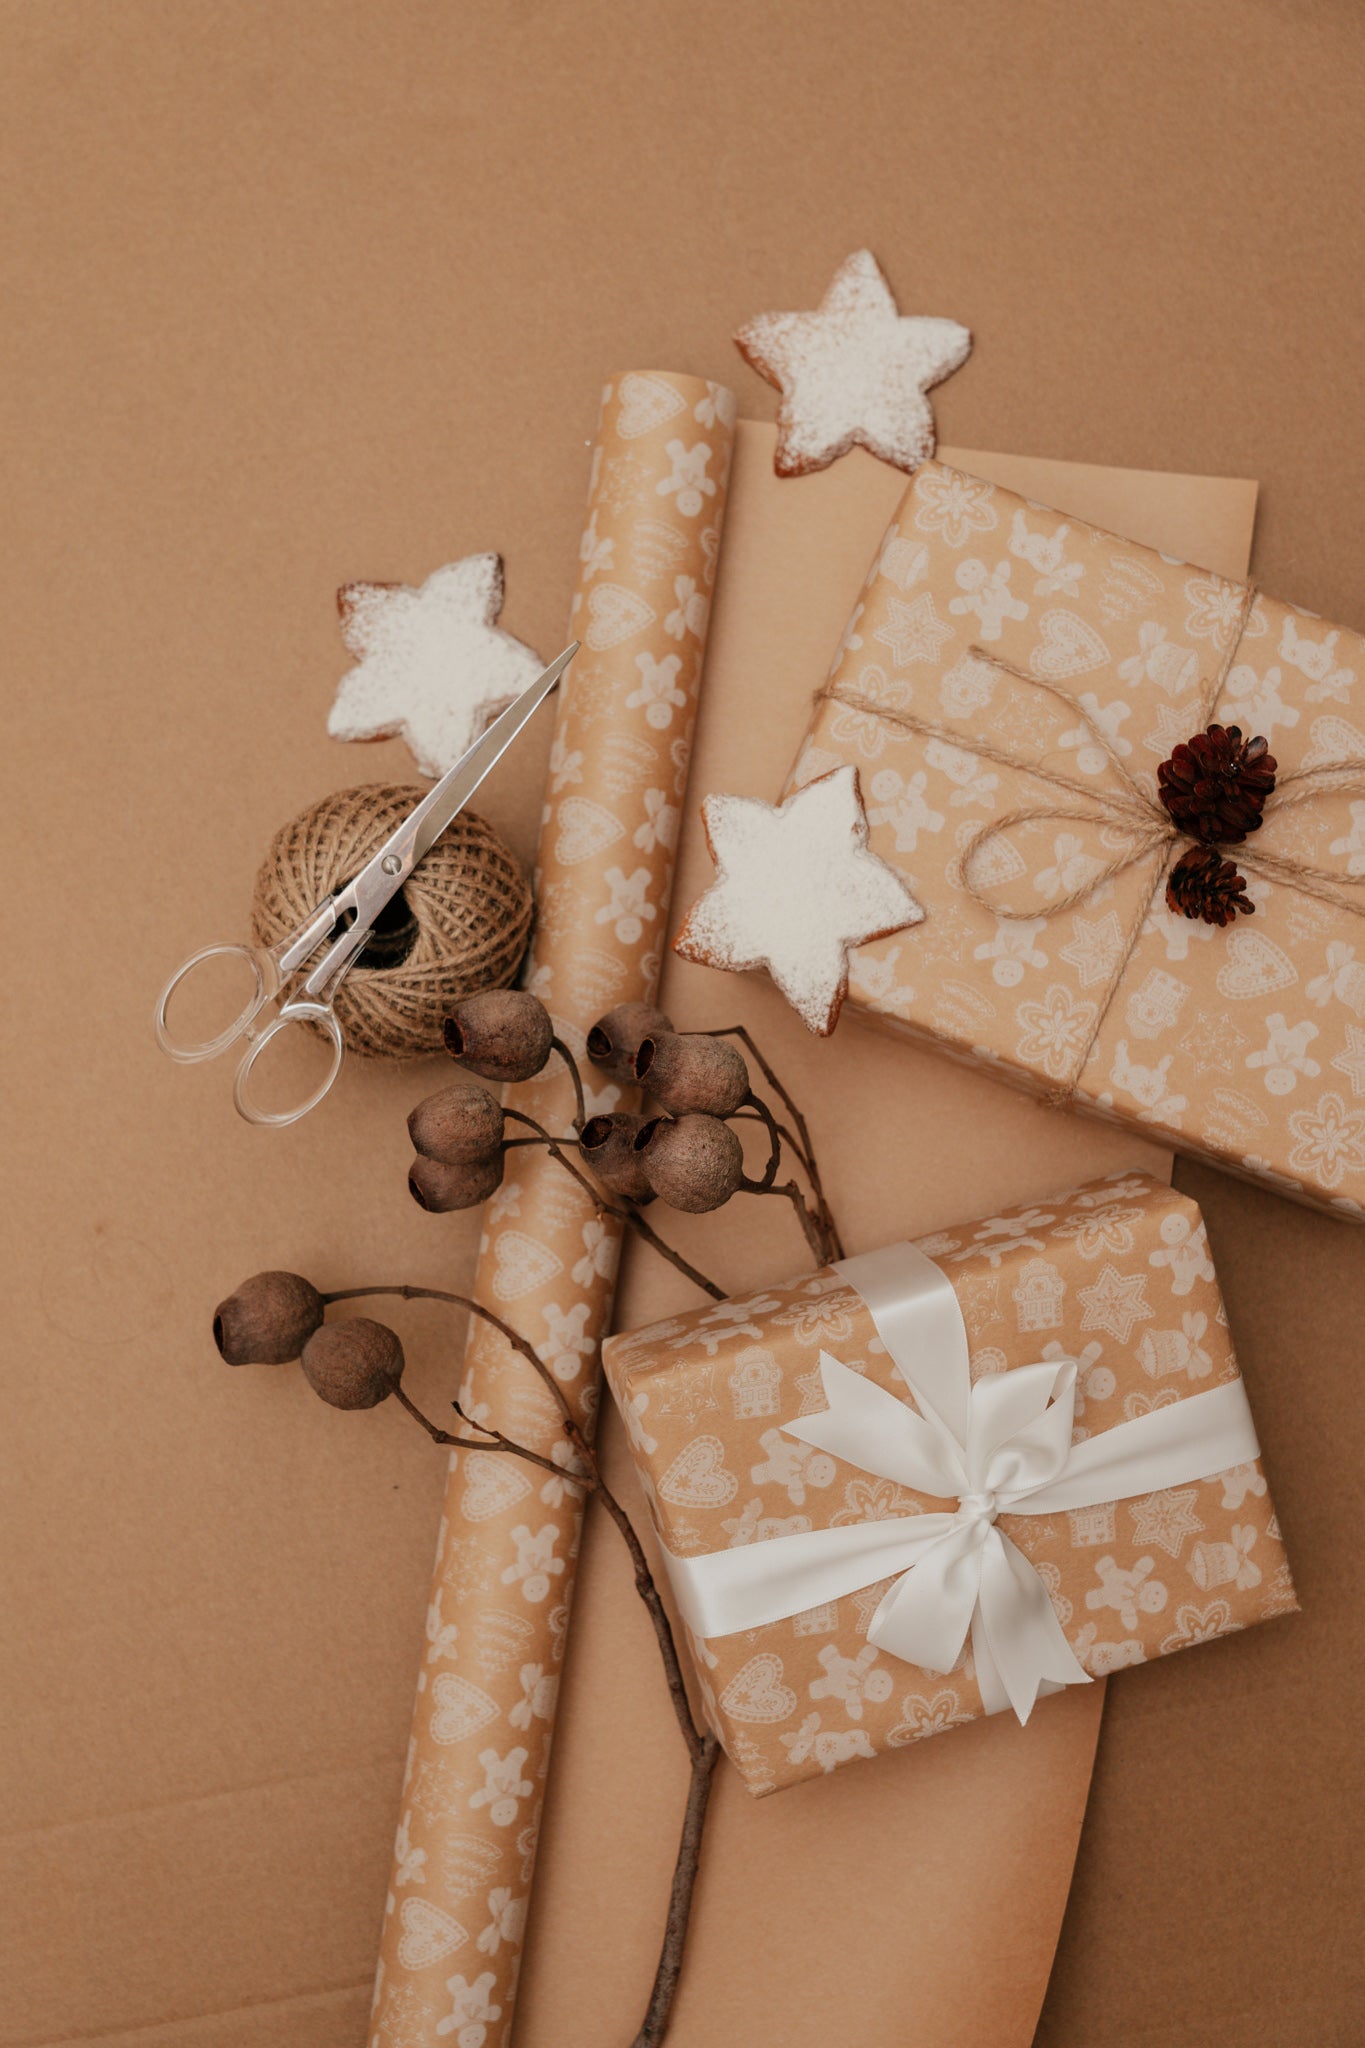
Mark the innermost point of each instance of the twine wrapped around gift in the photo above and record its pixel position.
(1150, 828)
(459, 924)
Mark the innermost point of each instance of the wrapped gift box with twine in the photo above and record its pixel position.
(1127, 912)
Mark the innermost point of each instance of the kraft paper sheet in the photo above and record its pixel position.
(503, 1583)
(940, 1873)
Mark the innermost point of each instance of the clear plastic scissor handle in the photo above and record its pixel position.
(262, 984)
(298, 1014)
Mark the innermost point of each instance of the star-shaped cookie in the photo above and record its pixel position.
(857, 370)
(432, 665)
(797, 886)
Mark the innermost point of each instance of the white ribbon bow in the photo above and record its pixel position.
(1002, 1446)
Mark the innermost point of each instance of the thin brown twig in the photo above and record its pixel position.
(801, 1145)
(774, 1139)
(655, 2024)
(581, 1111)
(631, 1218)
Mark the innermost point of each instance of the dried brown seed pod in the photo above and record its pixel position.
(615, 1039)
(267, 1320)
(355, 1364)
(461, 1184)
(503, 1034)
(694, 1162)
(608, 1144)
(456, 1125)
(685, 1071)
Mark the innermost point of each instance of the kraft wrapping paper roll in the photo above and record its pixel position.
(503, 1584)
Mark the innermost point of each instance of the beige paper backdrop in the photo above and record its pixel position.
(300, 295)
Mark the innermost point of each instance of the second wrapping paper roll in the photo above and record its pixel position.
(503, 1583)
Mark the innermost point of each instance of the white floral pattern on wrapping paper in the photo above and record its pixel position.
(1245, 1044)
(1117, 1277)
(499, 1609)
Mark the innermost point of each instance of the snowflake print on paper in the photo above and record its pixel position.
(1105, 1228)
(913, 632)
(1215, 607)
(432, 664)
(955, 506)
(1329, 1141)
(1055, 1031)
(1165, 1519)
(1115, 1302)
(856, 371)
(797, 887)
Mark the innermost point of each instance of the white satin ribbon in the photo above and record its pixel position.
(1002, 1446)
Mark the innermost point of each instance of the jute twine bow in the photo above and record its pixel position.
(460, 924)
(1149, 827)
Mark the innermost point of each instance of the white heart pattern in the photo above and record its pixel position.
(459, 1708)
(646, 402)
(429, 1935)
(756, 1692)
(1255, 966)
(523, 1265)
(585, 829)
(1067, 647)
(697, 1478)
(617, 614)
(490, 1485)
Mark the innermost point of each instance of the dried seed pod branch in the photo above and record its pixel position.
(630, 1217)
(801, 1144)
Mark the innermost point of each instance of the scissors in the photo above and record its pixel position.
(355, 909)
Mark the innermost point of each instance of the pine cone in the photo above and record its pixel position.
(1203, 884)
(1215, 785)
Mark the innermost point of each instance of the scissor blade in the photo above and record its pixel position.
(385, 872)
(458, 785)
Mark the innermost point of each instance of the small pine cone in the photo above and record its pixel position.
(457, 1125)
(694, 1162)
(608, 1145)
(462, 1184)
(615, 1039)
(1215, 785)
(267, 1320)
(355, 1364)
(1203, 884)
(692, 1071)
(502, 1034)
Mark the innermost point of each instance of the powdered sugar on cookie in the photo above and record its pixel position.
(855, 371)
(797, 887)
(432, 665)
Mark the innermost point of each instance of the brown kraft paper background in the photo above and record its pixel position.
(306, 296)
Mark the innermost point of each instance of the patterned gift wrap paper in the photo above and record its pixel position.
(500, 1597)
(1116, 1276)
(1245, 1044)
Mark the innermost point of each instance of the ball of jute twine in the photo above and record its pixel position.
(459, 924)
